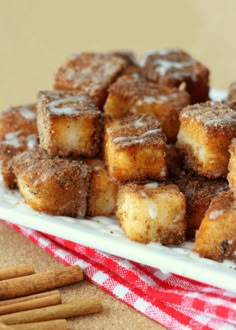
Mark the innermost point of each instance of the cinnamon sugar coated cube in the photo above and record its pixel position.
(171, 67)
(18, 132)
(52, 185)
(102, 190)
(152, 212)
(91, 73)
(7, 152)
(69, 124)
(135, 149)
(18, 119)
(199, 192)
(216, 238)
(206, 131)
(132, 94)
(231, 98)
(126, 55)
(231, 177)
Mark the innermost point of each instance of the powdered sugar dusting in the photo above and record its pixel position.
(135, 139)
(211, 114)
(215, 214)
(66, 106)
(162, 66)
(12, 139)
(152, 185)
(27, 113)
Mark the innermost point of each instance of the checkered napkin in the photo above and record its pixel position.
(171, 300)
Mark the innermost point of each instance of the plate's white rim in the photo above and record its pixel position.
(177, 260)
(168, 259)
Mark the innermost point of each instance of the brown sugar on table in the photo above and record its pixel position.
(216, 238)
(91, 73)
(69, 123)
(206, 131)
(132, 94)
(53, 185)
(171, 67)
(135, 149)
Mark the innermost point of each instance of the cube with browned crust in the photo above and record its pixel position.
(206, 131)
(216, 238)
(152, 212)
(199, 191)
(231, 177)
(69, 124)
(133, 94)
(18, 132)
(102, 190)
(91, 73)
(231, 97)
(171, 67)
(135, 149)
(52, 185)
(18, 119)
(127, 55)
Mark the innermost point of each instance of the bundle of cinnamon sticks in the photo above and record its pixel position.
(29, 301)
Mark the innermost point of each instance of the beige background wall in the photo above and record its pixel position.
(36, 36)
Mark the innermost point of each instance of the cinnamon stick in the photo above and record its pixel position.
(76, 308)
(26, 298)
(47, 325)
(16, 271)
(49, 300)
(5, 327)
(39, 282)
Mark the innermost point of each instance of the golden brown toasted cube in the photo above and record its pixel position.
(12, 145)
(132, 94)
(69, 124)
(20, 120)
(174, 162)
(152, 212)
(231, 98)
(91, 73)
(231, 177)
(103, 190)
(171, 67)
(206, 131)
(127, 55)
(52, 185)
(199, 192)
(216, 238)
(18, 132)
(7, 152)
(135, 149)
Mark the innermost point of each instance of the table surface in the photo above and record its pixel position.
(16, 249)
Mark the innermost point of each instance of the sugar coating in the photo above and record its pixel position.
(231, 98)
(211, 114)
(167, 60)
(91, 73)
(53, 185)
(136, 130)
(67, 103)
(142, 91)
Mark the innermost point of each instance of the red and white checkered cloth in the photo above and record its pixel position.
(171, 300)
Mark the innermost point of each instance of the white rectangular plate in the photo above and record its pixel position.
(105, 234)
